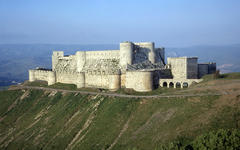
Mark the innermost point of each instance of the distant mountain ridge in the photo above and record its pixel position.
(17, 59)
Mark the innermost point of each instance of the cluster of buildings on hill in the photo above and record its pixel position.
(139, 66)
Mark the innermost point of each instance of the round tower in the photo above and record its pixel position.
(141, 81)
(126, 52)
(151, 54)
(51, 78)
(31, 75)
(80, 80)
(81, 59)
(114, 82)
(55, 56)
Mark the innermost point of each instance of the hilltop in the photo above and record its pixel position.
(58, 119)
(29, 56)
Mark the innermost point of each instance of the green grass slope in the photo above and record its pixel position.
(38, 119)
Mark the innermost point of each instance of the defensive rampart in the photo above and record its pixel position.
(111, 82)
(141, 81)
(71, 78)
(44, 75)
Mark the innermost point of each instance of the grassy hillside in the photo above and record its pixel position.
(38, 119)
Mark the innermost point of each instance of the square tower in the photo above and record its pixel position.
(184, 67)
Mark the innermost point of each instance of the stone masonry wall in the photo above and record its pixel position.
(123, 80)
(43, 75)
(65, 64)
(192, 68)
(75, 63)
(71, 78)
(212, 67)
(141, 81)
(111, 82)
(202, 70)
(144, 51)
(55, 57)
(178, 67)
(97, 81)
(206, 68)
(160, 55)
(104, 54)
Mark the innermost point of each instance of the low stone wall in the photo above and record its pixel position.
(71, 78)
(111, 82)
(44, 75)
(141, 81)
(206, 68)
(96, 81)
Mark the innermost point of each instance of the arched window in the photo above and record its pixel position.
(164, 84)
(185, 85)
(171, 85)
(178, 85)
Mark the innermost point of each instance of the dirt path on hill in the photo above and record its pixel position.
(78, 137)
(169, 95)
(120, 134)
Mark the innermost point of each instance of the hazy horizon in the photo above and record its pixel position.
(116, 45)
(167, 23)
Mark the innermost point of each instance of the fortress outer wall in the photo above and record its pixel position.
(43, 75)
(141, 81)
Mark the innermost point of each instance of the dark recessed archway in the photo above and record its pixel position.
(178, 85)
(171, 85)
(164, 84)
(185, 85)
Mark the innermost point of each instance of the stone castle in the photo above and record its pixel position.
(138, 66)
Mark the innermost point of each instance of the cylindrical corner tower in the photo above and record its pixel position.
(80, 80)
(151, 47)
(126, 52)
(31, 75)
(114, 82)
(146, 81)
(51, 78)
(141, 81)
(81, 59)
(55, 57)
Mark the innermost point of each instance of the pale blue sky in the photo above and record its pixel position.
(167, 22)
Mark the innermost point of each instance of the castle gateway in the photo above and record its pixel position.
(139, 66)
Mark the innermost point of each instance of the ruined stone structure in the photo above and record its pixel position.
(139, 66)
